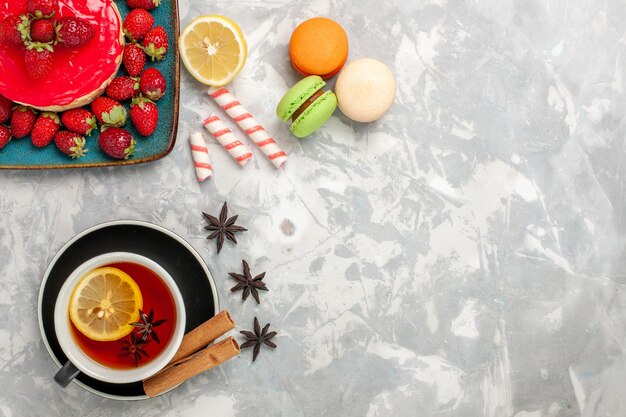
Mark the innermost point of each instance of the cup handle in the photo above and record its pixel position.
(66, 374)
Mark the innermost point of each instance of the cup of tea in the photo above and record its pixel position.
(119, 318)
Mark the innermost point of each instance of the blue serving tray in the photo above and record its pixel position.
(21, 154)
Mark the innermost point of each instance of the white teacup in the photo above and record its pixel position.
(78, 361)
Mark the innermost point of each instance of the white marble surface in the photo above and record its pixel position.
(463, 256)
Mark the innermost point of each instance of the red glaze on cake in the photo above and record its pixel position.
(78, 75)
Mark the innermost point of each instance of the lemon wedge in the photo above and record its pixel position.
(213, 49)
(104, 303)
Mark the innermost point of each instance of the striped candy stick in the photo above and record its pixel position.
(248, 124)
(225, 136)
(200, 154)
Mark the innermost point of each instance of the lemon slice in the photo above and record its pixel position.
(104, 303)
(213, 49)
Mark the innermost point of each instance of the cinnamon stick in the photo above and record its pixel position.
(204, 334)
(193, 365)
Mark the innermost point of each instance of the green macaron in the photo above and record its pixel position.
(307, 105)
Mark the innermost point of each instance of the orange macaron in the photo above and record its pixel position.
(319, 46)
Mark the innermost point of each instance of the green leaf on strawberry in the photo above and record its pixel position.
(24, 28)
(128, 152)
(154, 52)
(116, 117)
(78, 150)
(40, 46)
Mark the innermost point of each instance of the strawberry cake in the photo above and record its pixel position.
(77, 76)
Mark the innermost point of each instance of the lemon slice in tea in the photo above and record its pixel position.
(213, 49)
(104, 303)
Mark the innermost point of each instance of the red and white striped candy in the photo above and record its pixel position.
(200, 154)
(225, 136)
(248, 124)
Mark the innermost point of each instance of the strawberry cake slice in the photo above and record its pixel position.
(77, 75)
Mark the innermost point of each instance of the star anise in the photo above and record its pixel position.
(248, 284)
(223, 227)
(133, 347)
(146, 326)
(258, 338)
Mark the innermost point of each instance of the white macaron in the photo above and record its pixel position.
(365, 89)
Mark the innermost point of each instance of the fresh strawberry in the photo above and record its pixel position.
(15, 31)
(117, 143)
(152, 84)
(70, 143)
(38, 60)
(6, 107)
(134, 59)
(42, 8)
(143, 4)
(74, 32)
(155, 43)
(137, 24)
(46, 126)
(42, 30)
(22, 121)
(145, 115)
(79, 121)
(109, 112)
(123, 88)
(5, 136)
